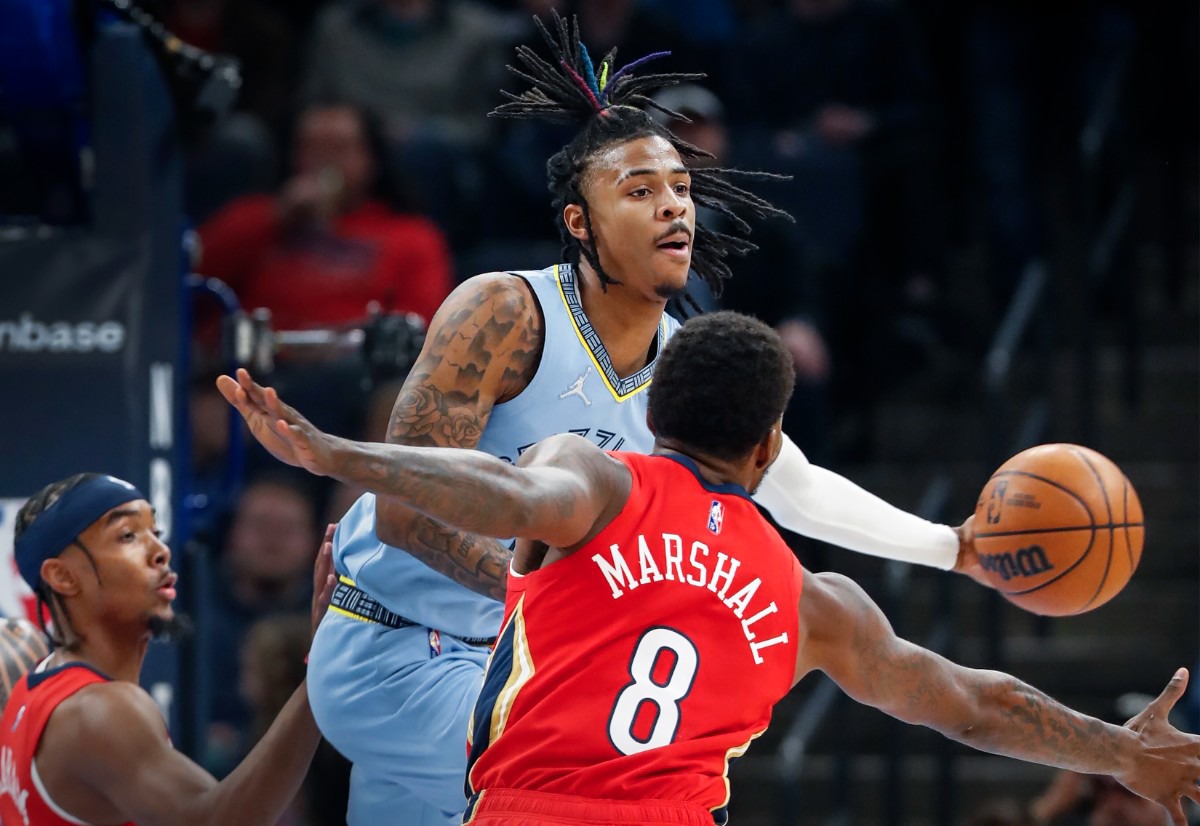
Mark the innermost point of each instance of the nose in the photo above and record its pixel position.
(672, 206)
(161, 554)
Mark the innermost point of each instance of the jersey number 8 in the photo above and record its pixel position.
(663, 696)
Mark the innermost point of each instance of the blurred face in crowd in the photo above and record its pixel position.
(273, 538)
(704, 133)
(331, 141)
(1114, 805)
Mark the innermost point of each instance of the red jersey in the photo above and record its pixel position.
(369, 254)
(23, 799)
(638, 666)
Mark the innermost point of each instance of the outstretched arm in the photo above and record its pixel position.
(555, 494)
(848, 638)
(816, 502)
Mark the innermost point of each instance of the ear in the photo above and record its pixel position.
(60, 577)
(576, 225)
(768, 449)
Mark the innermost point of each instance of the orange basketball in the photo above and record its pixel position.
(1058, 529)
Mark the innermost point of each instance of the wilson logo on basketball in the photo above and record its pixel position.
(1029, 561)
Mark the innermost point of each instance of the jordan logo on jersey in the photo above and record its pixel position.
(716, 516)
(576, 389)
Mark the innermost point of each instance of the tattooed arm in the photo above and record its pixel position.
(844, 634)
(483, 347)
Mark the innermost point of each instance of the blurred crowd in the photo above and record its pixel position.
(360, 174)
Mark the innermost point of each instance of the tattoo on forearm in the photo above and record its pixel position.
(475, 562)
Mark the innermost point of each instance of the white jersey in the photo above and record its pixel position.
(575, 390)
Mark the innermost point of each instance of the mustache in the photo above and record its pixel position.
(676, 226)
(176, 629)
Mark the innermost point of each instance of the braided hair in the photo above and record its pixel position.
(609, 105)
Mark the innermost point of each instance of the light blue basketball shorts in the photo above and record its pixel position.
(398, 710)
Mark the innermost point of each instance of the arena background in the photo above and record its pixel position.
(1031, 277)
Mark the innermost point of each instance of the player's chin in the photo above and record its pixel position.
(670, 283)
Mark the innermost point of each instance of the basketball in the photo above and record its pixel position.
(1058, 529)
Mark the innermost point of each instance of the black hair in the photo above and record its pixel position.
(720, 383)
(47, 598)
(388, 183)
(607, 103)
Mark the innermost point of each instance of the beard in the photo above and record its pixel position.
(669, 292)
(174, 629)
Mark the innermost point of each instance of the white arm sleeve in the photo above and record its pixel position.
(816, 502)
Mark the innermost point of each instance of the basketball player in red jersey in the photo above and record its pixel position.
(653, 618)
(80, 741)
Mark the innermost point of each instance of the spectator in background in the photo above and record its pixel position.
(328, 245)
(273, 663)
(238, 155)
(264, 571)
(1074, 799)
(836, 93)
(428, 68)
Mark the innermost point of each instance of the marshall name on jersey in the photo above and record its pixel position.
(637, 667)
(661, 559)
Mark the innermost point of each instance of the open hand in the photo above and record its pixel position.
(1168, 767)
(278, 427)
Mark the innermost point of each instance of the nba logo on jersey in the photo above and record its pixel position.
(716, 515)
(435, 643)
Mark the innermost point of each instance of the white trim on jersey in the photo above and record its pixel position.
(49, 801)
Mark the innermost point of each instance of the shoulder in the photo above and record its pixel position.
(508, 296)
(111, 707)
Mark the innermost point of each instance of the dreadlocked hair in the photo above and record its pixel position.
(47, 599)
(610, 106)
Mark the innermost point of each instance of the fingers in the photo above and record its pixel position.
(330, 529)
(1177, 816)
(1170, 695)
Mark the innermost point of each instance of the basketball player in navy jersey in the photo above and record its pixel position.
(644, 587)
(509, 359)
(80, 740)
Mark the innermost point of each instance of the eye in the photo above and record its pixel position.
(682, 189)
(158, 534)
(640, 192)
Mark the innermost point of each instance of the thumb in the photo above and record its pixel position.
(1161, 706)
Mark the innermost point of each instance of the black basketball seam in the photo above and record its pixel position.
(1052, 483)
(1111, 531)
(1125, 525)
(1128, 544)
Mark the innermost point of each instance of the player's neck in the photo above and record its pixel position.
(715, 471)
(626, 322)
(118, 656)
